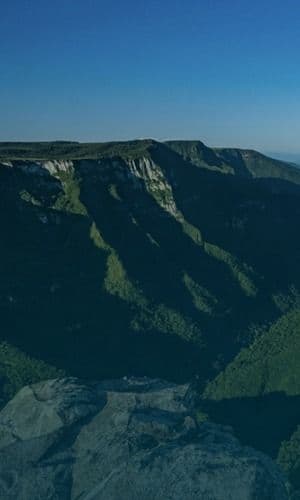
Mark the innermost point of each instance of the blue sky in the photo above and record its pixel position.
(224, 71)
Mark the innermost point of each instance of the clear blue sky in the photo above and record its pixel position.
(224, 71)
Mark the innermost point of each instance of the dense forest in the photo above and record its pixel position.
(172, 260)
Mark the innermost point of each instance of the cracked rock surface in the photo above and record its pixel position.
(128, 439)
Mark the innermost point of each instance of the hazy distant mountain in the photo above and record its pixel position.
(288, 157)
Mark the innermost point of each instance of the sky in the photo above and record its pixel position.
(223, 71)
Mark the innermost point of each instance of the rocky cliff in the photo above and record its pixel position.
(128, 439)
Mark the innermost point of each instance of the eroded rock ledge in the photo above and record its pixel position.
(129, 439)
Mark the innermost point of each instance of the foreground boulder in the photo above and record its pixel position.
(129, 439)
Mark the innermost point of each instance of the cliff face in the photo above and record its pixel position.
(111, 248)
(139, 173)
(135, 439)
(168, 260)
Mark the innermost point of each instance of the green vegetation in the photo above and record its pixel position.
(65, 150)
(17, 370)
(69, 200)
(252, 163)
(238, 270)
(97, 238)
(202, 299)
(269, 364)
(113, 191)
(258, 393)
(166, 320)
(117, 283)
(192, 232)
(196, 153)
(289, 458)
(184, 266)
(24, 195)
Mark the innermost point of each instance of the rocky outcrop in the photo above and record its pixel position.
(129, 439)
(141, 173)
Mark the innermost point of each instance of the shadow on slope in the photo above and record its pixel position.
(53, 305)
(262, 422)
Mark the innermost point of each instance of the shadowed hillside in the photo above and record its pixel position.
(111, 247)
(187, 243)
(161, 259)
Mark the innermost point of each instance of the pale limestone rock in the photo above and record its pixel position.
(129, 439)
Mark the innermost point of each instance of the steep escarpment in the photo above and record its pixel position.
(141, 257)
(159, 259)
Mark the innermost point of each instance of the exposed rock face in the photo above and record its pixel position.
(140, 173)
(133, 439)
